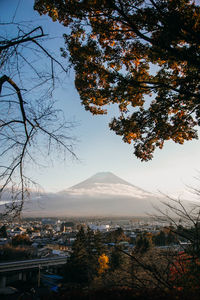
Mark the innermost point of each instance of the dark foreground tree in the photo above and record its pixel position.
(77, 268)
(83, 264)
(141, 55)
(3, 232)
(143, 243)
(30, 124)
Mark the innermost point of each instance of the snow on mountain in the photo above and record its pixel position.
(101, 177)
(105, 184)
(107, 189)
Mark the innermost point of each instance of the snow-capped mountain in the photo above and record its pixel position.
(103, 194)
(105, 184)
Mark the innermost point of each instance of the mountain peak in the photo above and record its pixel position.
(101, 178)
(104, 177)
(102, 174)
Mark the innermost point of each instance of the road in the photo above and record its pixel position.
(31, 264)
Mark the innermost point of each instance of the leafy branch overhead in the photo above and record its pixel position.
(141, 55)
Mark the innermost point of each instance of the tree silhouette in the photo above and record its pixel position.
(84, 262)
(30, 124)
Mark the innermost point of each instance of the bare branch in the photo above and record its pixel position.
(27, 113)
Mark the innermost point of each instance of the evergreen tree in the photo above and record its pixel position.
(116, 259)
(77, 268)
(83, 264)
(3, 232)
(98, 243)
(143, 243)
(160, 239)
(171, 238)
(91, 253)
(116, 236)
(90, 241)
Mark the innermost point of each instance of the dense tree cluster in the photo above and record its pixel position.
(93, 256)
(116, 236)
(165, 238)
(101, 260)
(9, 252)
(21, 239)
(83, 265)
(143, 243)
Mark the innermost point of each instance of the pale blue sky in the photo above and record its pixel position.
(98, 148)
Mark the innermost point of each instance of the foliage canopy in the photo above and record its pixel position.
(141, 55)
